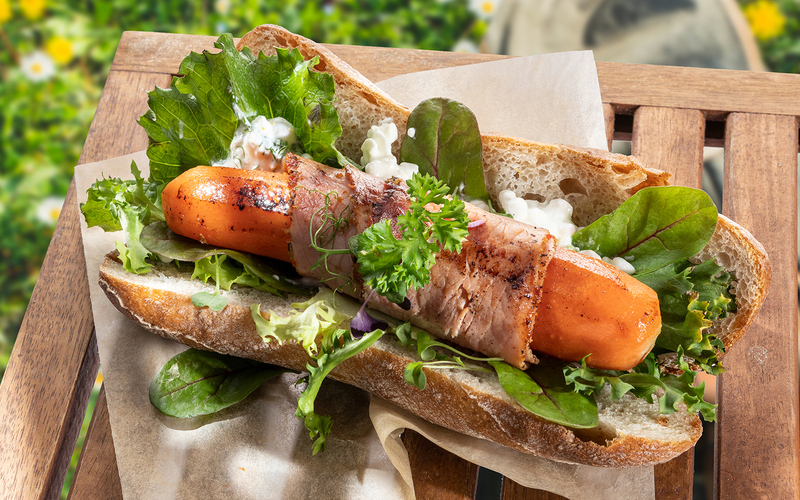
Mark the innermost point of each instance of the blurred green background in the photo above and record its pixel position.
(55, 55)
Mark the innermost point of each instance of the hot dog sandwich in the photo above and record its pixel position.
(507, 292)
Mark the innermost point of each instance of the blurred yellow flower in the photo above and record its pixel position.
(32, 9)
(5, 10)
(38, 66)
(59, 49)
(765, 18)
(222, 6)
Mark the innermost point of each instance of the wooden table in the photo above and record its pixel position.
(667, 113)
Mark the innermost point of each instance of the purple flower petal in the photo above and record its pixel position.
(364, 323)
(476, 223)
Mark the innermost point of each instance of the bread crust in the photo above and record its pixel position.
(475, 405)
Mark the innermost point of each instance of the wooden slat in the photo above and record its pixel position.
(97, 476)
(43, 396)
(672, 140)
(609, 115)
(114, 132)
(514, 491)
(757, 445)
(438, 473)
(627, 86)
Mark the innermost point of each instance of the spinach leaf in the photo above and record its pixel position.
(193, 121)
(543, 391)
(446, 143)
(199, 382)
(655, 227)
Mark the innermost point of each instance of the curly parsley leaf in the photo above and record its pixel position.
(391, 264)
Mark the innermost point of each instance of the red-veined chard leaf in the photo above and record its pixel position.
(446, 143)
(655, 227)
(543, 391)
(199, 382)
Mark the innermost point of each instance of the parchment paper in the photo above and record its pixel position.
(258, 449)
(553, 98)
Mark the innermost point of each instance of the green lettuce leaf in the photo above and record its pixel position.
(446, 144)
(655, 227)
(234, 266)
(320, 315)
(317, 327)
(114, 204)
(193, 121)
(340, 346)
(645, 381)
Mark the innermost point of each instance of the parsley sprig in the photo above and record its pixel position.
(393, 259)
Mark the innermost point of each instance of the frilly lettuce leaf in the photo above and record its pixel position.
(690, 298)
(646, 381)
(318, 329)
(114, 204)
(231, 265)
(193, 121)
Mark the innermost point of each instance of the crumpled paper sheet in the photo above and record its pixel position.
(258, 449)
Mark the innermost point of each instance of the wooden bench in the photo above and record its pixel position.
(669, 114)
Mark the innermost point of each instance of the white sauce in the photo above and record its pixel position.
(618, 262)
(377, 158)
(260, 144)
(556, 217)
